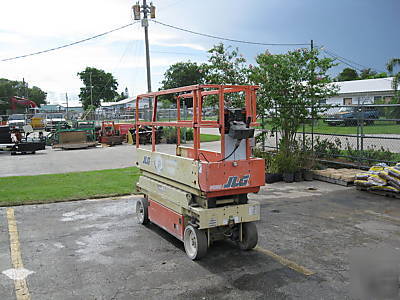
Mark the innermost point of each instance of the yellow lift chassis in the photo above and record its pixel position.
(200, 196)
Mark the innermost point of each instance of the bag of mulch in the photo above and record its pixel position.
(378, 167)
(397, 166)
(384, 175)
(393, 172)
(385, 188)
(377, 180)
(362, 176)
(391, 180)
(364, 183)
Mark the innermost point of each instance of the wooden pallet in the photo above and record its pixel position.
(343, 177)
(388, 194)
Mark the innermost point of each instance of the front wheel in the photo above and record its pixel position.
(249, 236)
(142, 213)
(195, 242)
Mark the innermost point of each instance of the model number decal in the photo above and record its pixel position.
(146, 160)
(234, 181)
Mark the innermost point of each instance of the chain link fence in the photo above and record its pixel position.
(357, 135)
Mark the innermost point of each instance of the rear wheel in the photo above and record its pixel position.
(195, 242)
(142, 214)
(249, 236)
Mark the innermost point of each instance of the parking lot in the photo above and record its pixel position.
(95, 250)
(52, 161)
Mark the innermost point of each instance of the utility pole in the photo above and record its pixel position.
(145, 9)
(91, 89)
(66, 99)
(312, 114)
(145, 24)
(24, 88)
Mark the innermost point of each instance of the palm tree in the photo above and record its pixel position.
(395, 84)
(396, 77)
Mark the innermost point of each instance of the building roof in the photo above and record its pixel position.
(365, 86)
(121, 102)
(51, 107)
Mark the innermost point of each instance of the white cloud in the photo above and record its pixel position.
(30, 26)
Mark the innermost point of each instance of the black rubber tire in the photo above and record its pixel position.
(142, 206)
(250, 236)
(201, 242)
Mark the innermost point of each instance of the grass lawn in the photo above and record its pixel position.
(205, 137)
(17, 190)
(379, 127)
(383, 127)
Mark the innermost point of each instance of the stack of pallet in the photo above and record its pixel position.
(380, 179)
(343, 176)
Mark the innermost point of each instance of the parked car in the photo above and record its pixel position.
(55, 121)
(17, 121)
(351, 115)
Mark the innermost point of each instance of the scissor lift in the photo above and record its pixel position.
(197, 195)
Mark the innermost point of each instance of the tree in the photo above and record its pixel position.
(104, 87)
(371, 74)
(347, 74)
(37, 95)
(292, 85)
(182, 74)
(367, 73)
(226, 66)
(123, 95)
(10, 88)
(390, 66)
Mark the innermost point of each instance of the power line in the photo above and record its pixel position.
(342, 60)
(70, 44)
(349, 62)
(116, 66)
(352, 64)
(231, 40)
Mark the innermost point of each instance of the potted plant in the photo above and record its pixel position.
(287, 165)
(271, 172)
(272, 175)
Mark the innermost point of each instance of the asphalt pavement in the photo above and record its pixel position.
(52, 161)
(94, 249)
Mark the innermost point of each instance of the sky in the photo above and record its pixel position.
(363, 31)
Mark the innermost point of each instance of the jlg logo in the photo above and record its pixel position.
(234, 181)
(146, 160)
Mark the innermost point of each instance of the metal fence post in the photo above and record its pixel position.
(312, 128)
(263, 133)
(362, 129)
(304, 137)
(358, 153)
(276, 129)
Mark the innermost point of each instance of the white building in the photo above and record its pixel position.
(125, 104)
(367, 91)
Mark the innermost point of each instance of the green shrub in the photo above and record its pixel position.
(189, 134)
(324, 148)
(370, 155)
(286, 162)
(170, 134)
